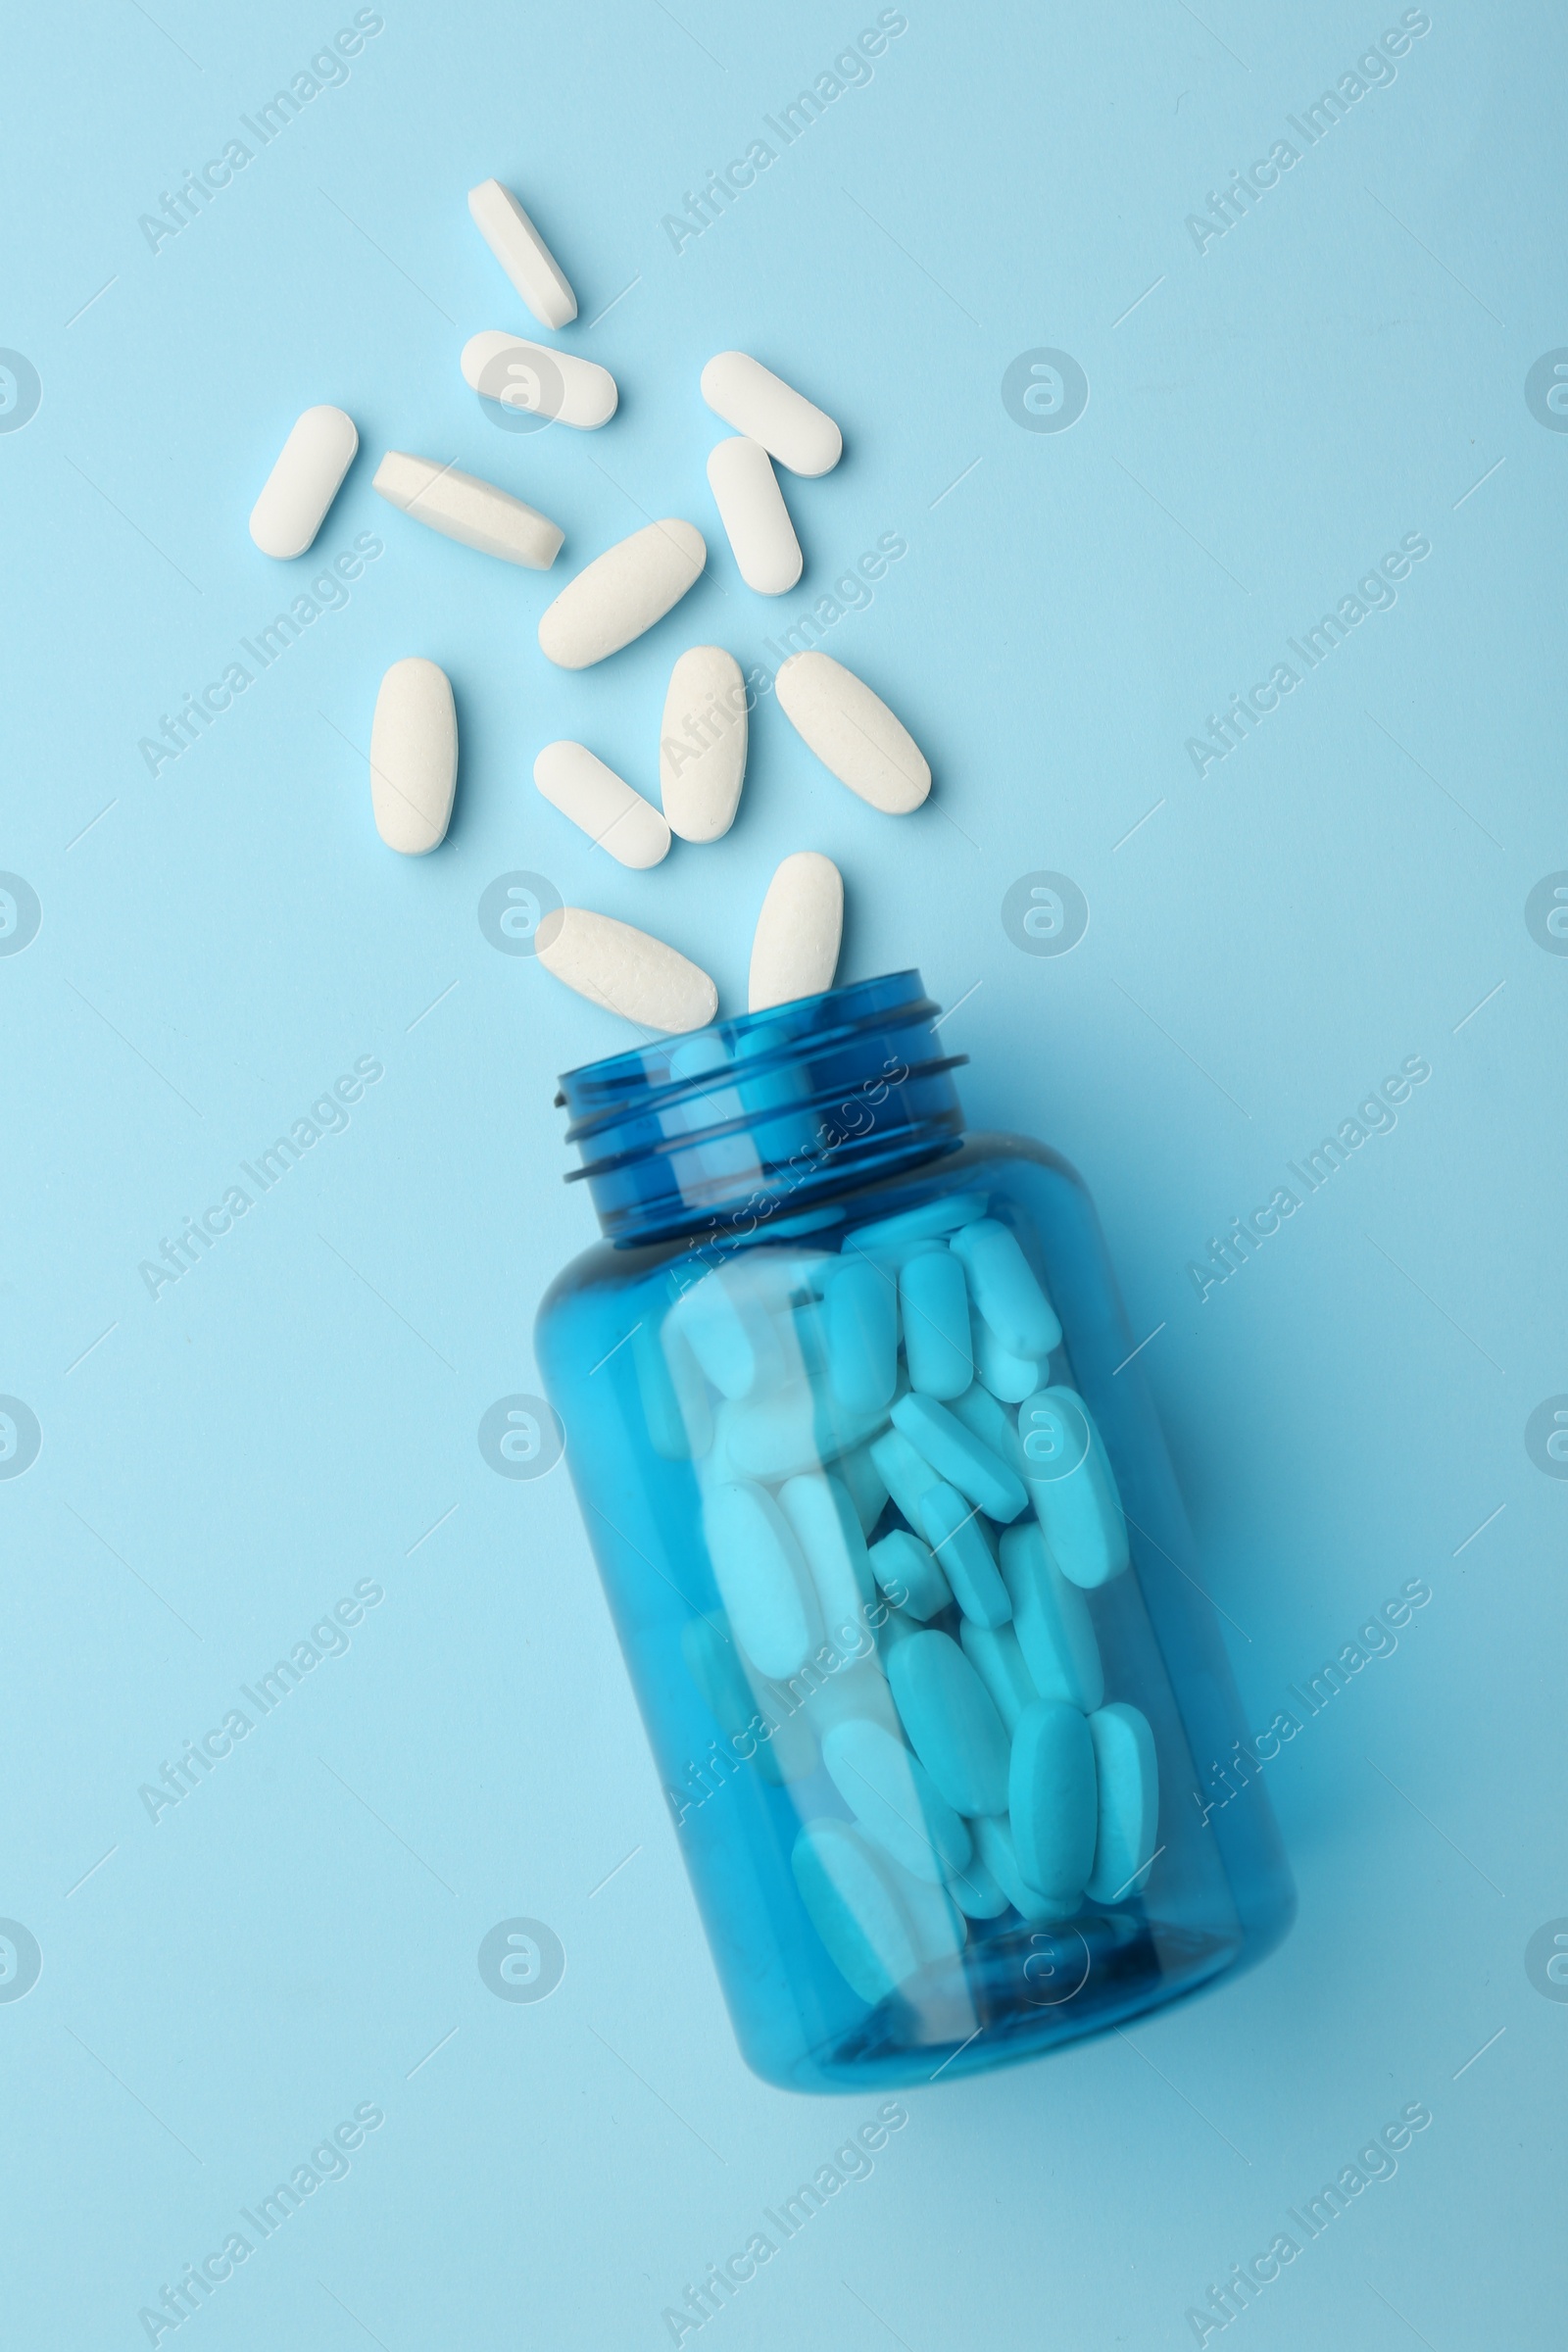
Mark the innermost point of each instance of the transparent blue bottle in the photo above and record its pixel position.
(896, 1555)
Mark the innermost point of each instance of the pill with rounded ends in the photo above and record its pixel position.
(756, 402)
(303, 484)
(863, 1330)
(622, 593)
(625, 970)
(907, 1573)
(957, 1535)
(894, 1798)
(850, 1900)
(1012, 1378)
(1074, 1492)
(1052, 1806)
(994, 1653)
(956, 1454)
(952, 1726)
(829, 1536)
(757, 521)
(522, 253)
(1003, 1287)
(532, 380)
(727, 1327)
(702, 743)
(790, 1430)
(795, 949)
(993, 1843)
(853, 732)
(768, 1593)
(460, 507)
(1050, 1618)
(977, 1892)
(413, 757)
(991, 1422)
(934, 1309)
(897, 1238)
(602, 804)
(907, 1476)
(865, 1485)
(1129, 1803)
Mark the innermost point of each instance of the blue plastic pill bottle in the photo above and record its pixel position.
(896, 1555)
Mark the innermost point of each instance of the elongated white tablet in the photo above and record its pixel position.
(625, 971)
(413, 757)
(522, 253)
(853, 732)
(530, 381)
(602, 803)
(461, 507)
(794, 951)
(622, 593)
(755, 400)
(303, 484)
(757, 521)
(702, 743)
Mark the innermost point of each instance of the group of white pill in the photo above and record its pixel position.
(983, 1766)
(611, 602)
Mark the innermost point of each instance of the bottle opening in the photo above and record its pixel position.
(758, 1119)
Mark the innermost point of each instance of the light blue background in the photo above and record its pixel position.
(1341, 369)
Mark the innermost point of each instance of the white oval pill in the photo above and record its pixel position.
(794, 951)
(853, 732)
(621, 593)
(757, 521)
(625, 971)
(532, 381)
(601, 802)
(760, 404)
(303, 484)
(702, 743)
(461, 507)
(522, 253)
(413, 757)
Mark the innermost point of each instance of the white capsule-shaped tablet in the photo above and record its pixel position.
(795, 951)
(763, 1580)
(702, 743)
(853, 732)
(625, 971)
(461, 507)
(303, 484)
(622, 593)
(532, 381)
(762, 406)
(757, 521)
(614, 816)
(413, 757)
(522, 253)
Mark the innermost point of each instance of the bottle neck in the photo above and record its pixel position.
(758, 1119)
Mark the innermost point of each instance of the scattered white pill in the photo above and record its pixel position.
(626, 971)
(757, 521)
(755, 400)
(622, 593)
(853, 732)
(796, 950)
(613, 816)
(522, 253)
(702, 743)
(461, 507)
(413, 757)
(534, 382)
(303, 484)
